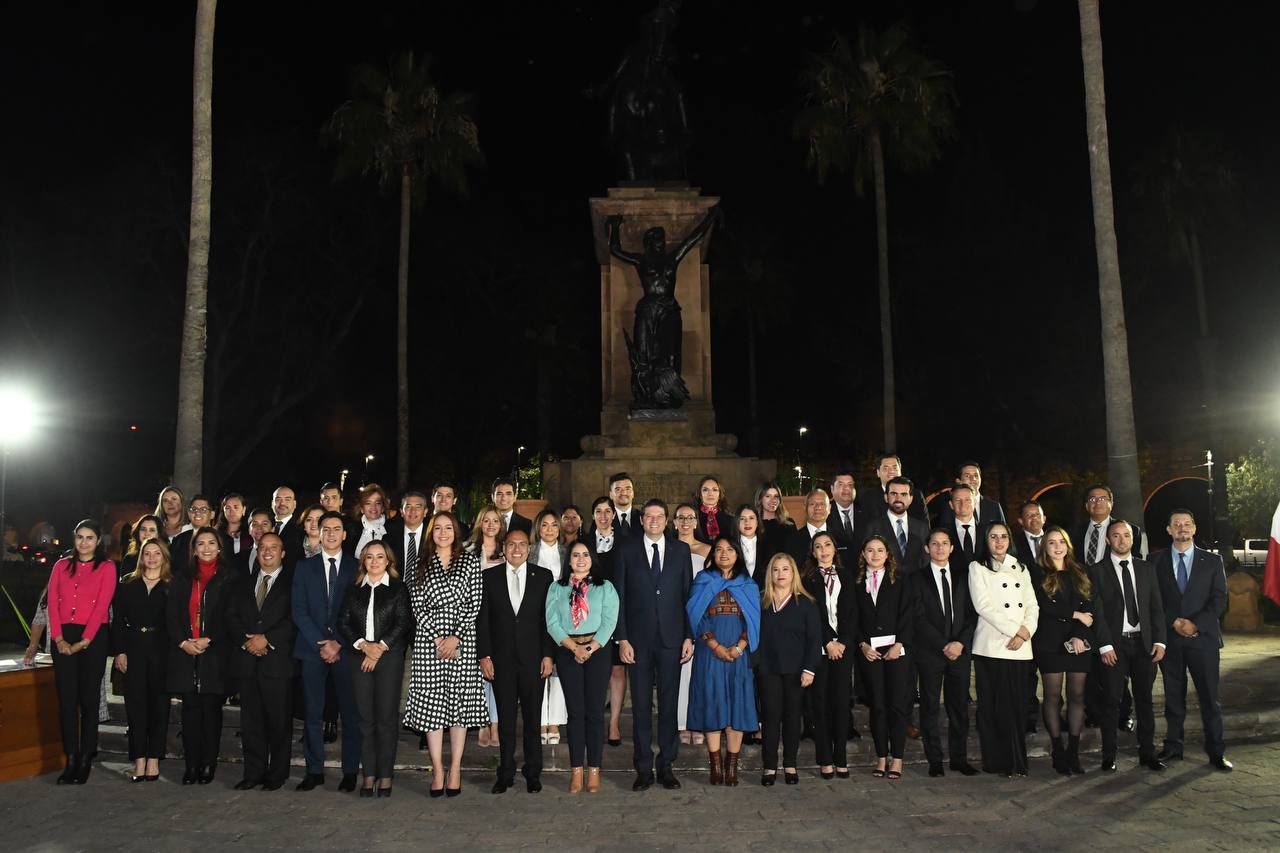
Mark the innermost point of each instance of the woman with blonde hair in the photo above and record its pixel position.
(486, 543)
(371, 518)
(787, 658)
(171, 507)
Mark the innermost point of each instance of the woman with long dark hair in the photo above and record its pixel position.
(832, 587)
(582, 611)
(140, 641)
(602, 539)
(81, 587)
(198, 642)
(713, 513)
(886, 613)
(486, 543)
(1063, 643)
(146, 527)
(776, 525)
(684, 518)
(545, 550)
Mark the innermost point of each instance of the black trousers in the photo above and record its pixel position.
(1095, 694)
(78, 679)
(891, 684)
(780, 700)
(949, 679)
(201, 728)
(1002, 719)
(377, 696)
(1203, 665)
(660, 667)
(584, 686)
(145, 701)
(519, 686)
(1132, 664)
(829, 700)
(266, 727)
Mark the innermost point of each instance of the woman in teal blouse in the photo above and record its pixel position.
(582, 611)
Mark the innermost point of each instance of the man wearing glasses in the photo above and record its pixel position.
(199, 514)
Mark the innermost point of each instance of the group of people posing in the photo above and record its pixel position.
(746, 625)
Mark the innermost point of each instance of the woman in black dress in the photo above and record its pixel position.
(147, 527)
(140, 641)
(776, 525)
(713, 514)
(1063, 642)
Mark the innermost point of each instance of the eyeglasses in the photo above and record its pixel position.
(199, 509)
(1097, 499)
(686, 518)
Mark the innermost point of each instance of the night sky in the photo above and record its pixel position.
(992, 254)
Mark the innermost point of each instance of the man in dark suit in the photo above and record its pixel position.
(969, 534)
(1128, 623)
(285, 502)
(1091, 547)
(1027, 543)
(906, 534)
(626, 518)
(888, 466)
(200, 513)
(817, 513)
(846, 522)
(515, 651)
(504, 498)
(444, 498)
(319, 586)
(405, 538)
(986, 510)
(261, 522)
(331, 501)
(945, 622)
(653, 574)
(260, 619)
(1193, 587)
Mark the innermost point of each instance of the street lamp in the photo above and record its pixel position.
(367, 460)
(17, 421)
(342, 479)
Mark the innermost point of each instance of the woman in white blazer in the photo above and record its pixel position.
(1005, 598)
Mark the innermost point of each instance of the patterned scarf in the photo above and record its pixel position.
(711, 523)
(579, 607)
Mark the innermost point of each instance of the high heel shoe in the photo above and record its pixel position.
(437, 792)
(453, 792)
(82, 774)
(791, 778)
(768, 779)
(384, 792)
(135, 779)
(68, 776)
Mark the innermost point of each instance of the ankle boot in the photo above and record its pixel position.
(70, 772)
(1073, 754)
(593, 780)
(82, 773)
(717, 777)
(731, 770)
(575, 780)
(1059, 756)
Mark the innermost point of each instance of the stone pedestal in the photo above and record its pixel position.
(666, 452)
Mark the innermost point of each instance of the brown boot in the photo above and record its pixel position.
(593, 780)
(731, 770)
(575, 780)
(716, 776)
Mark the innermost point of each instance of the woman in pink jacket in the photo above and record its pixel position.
(80, 589)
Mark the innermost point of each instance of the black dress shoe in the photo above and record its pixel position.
(644, 780)
(437, 792)
(155, 778)
(1220, 762)
(246, 785)
(272, 786)
(1152, 763)
(768, 779)
(384, 792)
(842, 772)
(501, 785)
(533, 784)
(935, 770)
(827, 774)
(348, 782)
(1127, 724)
(133, 778)
(330, 732)
(82, 771)
(791, 778)
(189, 777)
(1108, 765)
(1168, 754)
(310, 782)
(668, 779)
(615, 741)
(207, 776)
(964, 768)
(453, 792)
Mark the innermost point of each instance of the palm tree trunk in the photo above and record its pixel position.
(753, 393)
(886, 312)
(1122, 439)
(188, 450)
(402, 337)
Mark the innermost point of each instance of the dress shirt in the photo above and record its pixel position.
(814, 531)
(235, 543)
(506, 519)
(385, 580)
(325, 556)
(1034, 542)
(973, 531)
(517, 577)
(547, 556)
(895, 520)
(417, 542)
(846, 516)
(270, 576)
(648, 550)
(253, 555)
(1096, 557)
(281, 522)
(748, 547)
(937, 583)
(1189, 554)
(1124, 614)
(833, 596)
(875, 577)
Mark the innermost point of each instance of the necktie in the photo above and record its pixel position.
(875, 585)
(655, 565)
(1182, 572)
(333, 580)
(262, 590)
(848, 521)
(1130, 600)
(1035, 546)
(626, 523)
(830, 576)
(902, 538)
(1094, 538)
(946, 602)
(966, 541)
(411, 555)
(513, 589)
(279, 526)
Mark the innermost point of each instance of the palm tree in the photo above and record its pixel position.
(875, 97)
(188, 454)
(398, 125)
(1122, 438)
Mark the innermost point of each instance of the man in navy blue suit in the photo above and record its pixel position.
(319, 585)
(653, 575)
(1193, 587)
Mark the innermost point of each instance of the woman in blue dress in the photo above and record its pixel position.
(724, 610)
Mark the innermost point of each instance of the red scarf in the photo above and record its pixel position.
(204, 573)
(711, 523)
(578, 605)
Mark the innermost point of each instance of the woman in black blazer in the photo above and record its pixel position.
(713, 515)
(198, 641)
(885, 610)
(601, 536)
(831, 587)
(139, 640)
(786, 660)
(377, 621)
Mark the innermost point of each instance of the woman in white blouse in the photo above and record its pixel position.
(1005, 598)
(546, 551)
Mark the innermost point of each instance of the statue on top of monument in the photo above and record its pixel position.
(648, 128)
(655, 350)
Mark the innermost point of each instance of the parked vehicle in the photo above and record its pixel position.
(1253, 554)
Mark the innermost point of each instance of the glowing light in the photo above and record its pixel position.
(17, 414)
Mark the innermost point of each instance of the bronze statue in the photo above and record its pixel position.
(648, 127)
(655, 351)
